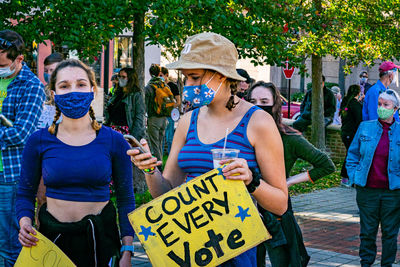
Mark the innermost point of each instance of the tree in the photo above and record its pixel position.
(81, 25)
(266, 31)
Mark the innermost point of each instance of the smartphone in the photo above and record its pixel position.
(134, 143)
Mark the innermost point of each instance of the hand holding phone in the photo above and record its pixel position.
(136, 145)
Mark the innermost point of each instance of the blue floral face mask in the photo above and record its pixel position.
(199, 95)
(74, 105)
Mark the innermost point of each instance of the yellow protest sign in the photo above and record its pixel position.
(45, 253)
(206, 221)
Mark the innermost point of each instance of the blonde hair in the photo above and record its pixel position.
(73, 63)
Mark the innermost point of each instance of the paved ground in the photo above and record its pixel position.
(330, 224)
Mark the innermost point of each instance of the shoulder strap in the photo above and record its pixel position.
(242, 127)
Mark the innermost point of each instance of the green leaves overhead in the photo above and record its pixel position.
(267, 31)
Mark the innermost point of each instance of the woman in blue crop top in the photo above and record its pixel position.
(208, 61)
(77, 159)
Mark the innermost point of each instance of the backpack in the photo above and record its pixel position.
(163, 98)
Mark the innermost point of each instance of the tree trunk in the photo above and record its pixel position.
(317, 106)
(139, 182)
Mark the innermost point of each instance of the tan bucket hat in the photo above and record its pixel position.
(211, 51)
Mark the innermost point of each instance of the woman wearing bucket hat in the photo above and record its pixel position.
(208, 61)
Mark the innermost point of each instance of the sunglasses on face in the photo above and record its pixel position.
(5, 44)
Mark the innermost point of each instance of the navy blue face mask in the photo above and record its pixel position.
(74, 105)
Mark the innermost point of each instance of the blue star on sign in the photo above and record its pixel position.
(220, 172)
(146, 231)
(243, 213)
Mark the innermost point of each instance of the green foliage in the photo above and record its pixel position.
(266, 31)
(326, 182)
(144, 198)
(80, 25)
(297, 97)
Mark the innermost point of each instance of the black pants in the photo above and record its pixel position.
(378, 206)
(92, 241)
(346, 139)
(286, 248)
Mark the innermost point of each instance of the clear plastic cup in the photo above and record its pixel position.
(219, 154)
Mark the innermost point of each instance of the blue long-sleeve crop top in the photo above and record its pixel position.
(77, 173)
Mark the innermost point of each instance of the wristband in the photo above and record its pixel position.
(128, 248)
(255, 183)
(150, 170)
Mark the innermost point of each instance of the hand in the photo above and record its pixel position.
(143, 160)
(24, 236)
(237, 169)
(125, 260)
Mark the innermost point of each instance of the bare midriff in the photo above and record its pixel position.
(73, 211)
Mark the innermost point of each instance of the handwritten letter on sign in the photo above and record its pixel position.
(206, 221)
(45, 253)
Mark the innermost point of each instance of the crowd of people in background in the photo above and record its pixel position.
(57, 166)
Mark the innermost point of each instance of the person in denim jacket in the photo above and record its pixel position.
(373, 165)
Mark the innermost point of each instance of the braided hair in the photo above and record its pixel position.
(233, 85)
(74, 63)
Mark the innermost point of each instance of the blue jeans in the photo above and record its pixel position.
(378, 206)
(9, 227)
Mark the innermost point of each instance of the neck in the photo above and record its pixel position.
(76, 125)
(389, 120)
(217, 107)
(385, 81)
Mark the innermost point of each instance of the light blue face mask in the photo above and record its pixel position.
(6, 72)
(199, 95)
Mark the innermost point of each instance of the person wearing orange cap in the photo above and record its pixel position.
(208, 61)
(387, 77)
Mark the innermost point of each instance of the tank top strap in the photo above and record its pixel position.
(193, 124)
(242, 126)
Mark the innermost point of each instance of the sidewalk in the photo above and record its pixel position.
(330, 224)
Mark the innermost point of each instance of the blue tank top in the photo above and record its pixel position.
(195, 157)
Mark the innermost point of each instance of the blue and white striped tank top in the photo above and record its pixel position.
(195, 157)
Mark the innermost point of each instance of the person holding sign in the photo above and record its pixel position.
(289, 252)
(77, 159)
(208, 61)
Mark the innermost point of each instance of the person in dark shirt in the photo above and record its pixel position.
(126, 110)
(373, 167)
(304, 120)
(351, 115)
(267, 97)
(364, 84)
(169, 131)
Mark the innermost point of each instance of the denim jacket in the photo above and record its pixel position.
(362, 150)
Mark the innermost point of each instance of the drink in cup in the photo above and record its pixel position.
(221, 154)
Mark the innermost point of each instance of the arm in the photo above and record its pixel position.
(353, 155)
(371, 102)
(26, 118)
(272, 194)
(304, 103)
(330, 108)
(31, 172)
(122, 177)
(357, 112)
(135, 115)
(173, 175)
(322, 164)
